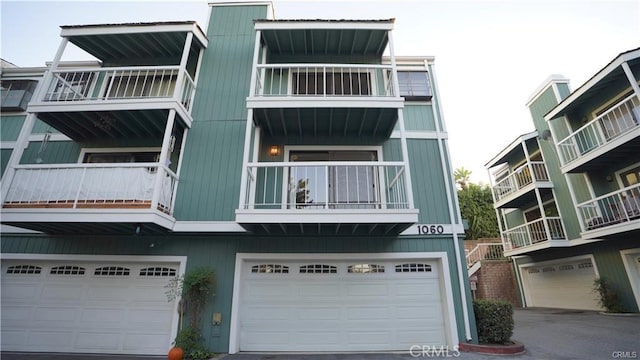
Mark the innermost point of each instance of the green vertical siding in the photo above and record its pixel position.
(563, 90)
(4, 160)
(429, 188)
(56, 152)
(209, 184)
(41, 128)
(418, 117)
(545, 102)
(10, 126)
(219, 252)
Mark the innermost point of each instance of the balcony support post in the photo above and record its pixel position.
(177, 94)
(631, 78)
(178, 169)
(46, 79)
(164, 156)
(21, 143)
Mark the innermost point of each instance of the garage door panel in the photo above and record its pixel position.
(341, 310)
(561, 284)
(77, 308)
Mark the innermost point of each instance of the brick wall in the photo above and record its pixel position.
(496, 281)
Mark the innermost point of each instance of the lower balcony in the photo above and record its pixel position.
(340, 198)
(91, 198)
(534, 235)
(611, 214)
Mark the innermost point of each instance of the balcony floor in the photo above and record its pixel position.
(343, 222)
(85, 220)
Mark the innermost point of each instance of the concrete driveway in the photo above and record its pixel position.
(547, 334)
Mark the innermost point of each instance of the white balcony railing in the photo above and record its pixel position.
(129, 185)
(613, 208)
(324, 80)
(326, 185)
(120, 83)
(485, 251)
(534, 232)
(607, 127)
(520, 178)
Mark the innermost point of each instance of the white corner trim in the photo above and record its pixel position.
(440, 256)
(633, 271)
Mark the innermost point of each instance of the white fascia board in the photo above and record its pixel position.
(425, 135)
(116, 29)
(346, 216)
(207, 226)
(14, 215)
(514, 144)
(8, 229)
(410, 60)
(591, 82)
(325, 102)
(329, 25)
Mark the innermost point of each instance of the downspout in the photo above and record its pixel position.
(455, 220)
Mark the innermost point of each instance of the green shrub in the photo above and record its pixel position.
(608, 297)
(190, 341)
(494, 320)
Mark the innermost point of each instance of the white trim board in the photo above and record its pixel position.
(441, 257)
(633, 272)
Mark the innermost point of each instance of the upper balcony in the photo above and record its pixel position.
(143, 71)
(517, 188)
(324, 78)
(611, 214)
(613, 135)
(348, 197)
(108, 198)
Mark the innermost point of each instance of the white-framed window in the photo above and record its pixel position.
(414, 85)
(119, 155)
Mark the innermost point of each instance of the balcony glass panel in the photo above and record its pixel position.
(607, 127)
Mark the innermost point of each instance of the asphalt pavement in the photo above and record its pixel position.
(547, 334)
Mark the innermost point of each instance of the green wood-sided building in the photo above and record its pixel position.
(309, 170)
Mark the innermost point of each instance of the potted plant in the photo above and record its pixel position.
(195, 288)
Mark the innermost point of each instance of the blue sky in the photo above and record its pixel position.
(490, 55)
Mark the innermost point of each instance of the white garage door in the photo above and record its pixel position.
(340, 306)
(86, 307)
(566, 285)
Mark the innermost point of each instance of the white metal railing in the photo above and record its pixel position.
(534, 232)
(119, 83)
(91, 185)
(326, 185)
(613, 208)
(485, 251)
(616, 121)
(519, 178)
(324, 80)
